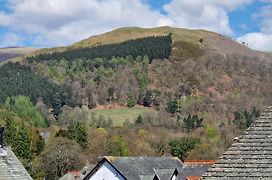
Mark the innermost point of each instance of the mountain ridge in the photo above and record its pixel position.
(14, 53)
(207, 40)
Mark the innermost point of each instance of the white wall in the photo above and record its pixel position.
(106, 172)
(174, 177)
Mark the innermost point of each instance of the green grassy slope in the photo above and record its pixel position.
(120, 115)
(127, 33)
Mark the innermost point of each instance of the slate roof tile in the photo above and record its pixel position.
(11, 168)
(250, 157)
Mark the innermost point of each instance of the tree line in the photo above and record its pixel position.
(21, 135)
(158, 47)
(16, 79)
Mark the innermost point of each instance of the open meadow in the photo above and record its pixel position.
(122, 114)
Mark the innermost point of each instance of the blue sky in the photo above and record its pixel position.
(243, 16)
(47, 23)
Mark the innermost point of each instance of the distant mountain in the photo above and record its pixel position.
(10, 53)
(6, 56)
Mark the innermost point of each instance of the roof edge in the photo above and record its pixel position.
(199, 162)
(94, 170)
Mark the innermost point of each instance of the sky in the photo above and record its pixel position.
(50, 23)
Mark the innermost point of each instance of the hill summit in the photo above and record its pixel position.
(206, 40)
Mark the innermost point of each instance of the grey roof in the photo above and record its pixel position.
(153, 168)
(250, 157)
(100, 163)
(165, 174)
(133, 167)
(147, 176)
(197, 169)
(11, 168)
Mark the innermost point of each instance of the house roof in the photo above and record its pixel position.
(194, 169)
(11, 168)
(250, 157)
(96, 168)
(161, 168)
(132, 167)
(165, 173)
(139, 168)
(147, 176)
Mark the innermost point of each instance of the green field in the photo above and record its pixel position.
(120, 115)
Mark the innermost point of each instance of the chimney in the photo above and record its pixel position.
(1, 137)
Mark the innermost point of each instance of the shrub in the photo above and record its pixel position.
(117, 146)
(243, 119)
(180, 147)
(131, 102)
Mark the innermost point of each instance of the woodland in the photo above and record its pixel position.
(195, 103)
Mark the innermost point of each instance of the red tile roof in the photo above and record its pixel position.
(193, 177)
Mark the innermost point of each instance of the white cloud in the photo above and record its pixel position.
(207, 14)
(4, 19)
(258, 41)
(265, 17)
(65, 21)
(261, 40)
(61, 22)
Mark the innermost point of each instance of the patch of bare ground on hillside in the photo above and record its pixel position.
(226, 46)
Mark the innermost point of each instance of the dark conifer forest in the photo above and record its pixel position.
(153, 47)
(16, 79)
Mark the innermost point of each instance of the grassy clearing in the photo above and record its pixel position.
(120, 115)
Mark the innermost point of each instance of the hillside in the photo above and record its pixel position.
(14, 52)
(144, 92)
(211, 42)
(201, 63)
(204, 64)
